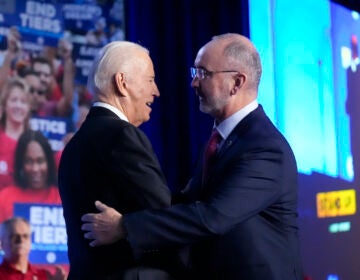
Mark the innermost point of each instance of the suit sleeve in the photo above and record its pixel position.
(248, 184)
(135, 161)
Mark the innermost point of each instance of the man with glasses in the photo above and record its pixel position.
(240, 218)
(15, 239)
(40, 105)
(59, 99)
(38, 98)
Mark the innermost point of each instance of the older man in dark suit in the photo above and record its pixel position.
(111, 159)
(240, 217)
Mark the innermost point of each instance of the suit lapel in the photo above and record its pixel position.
(234, 140)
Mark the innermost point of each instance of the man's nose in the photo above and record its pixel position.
(194, 82)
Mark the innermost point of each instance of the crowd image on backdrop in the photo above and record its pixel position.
(36, 86)
(15, 109)
(35, 90)
(35, 175)
(43, 102)
(15, 237)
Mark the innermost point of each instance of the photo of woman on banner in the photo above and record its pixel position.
(34, 175)
(15, 103)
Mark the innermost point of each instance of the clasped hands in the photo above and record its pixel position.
(104, 227)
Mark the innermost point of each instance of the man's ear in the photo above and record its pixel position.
(239, 82)
(120, 84)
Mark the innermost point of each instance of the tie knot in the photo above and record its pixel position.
(215, 135)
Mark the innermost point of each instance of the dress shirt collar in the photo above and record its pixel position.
(227, 125)
(112, 109)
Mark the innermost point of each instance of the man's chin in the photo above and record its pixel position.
(147, 118)
(204, 109)
(137, 124)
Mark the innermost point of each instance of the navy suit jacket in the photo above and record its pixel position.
(112, 161)
(242, 223)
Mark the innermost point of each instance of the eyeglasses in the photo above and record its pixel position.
(202, 73)
(34, 90)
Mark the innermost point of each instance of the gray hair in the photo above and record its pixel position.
(7, 224)
(112, 58)
(242, 51)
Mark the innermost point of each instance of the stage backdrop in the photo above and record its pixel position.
(310, 89)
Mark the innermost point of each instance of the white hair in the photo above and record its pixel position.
(112, 58)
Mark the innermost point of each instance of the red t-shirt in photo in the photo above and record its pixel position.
(7, 154)
(9, 273)
(14, 194)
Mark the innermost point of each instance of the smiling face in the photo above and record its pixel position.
(35, 166)
(123, 76)
(141, 89)
(45, 75)
(17, 105)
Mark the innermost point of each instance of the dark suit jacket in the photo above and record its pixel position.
(242, 223)
(112, 161)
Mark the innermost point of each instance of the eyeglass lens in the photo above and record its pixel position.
(197, 72)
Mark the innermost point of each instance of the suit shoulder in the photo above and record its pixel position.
(258, 129)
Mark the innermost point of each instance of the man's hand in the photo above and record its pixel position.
(13, 40)
(65, 48)
(105, 227)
